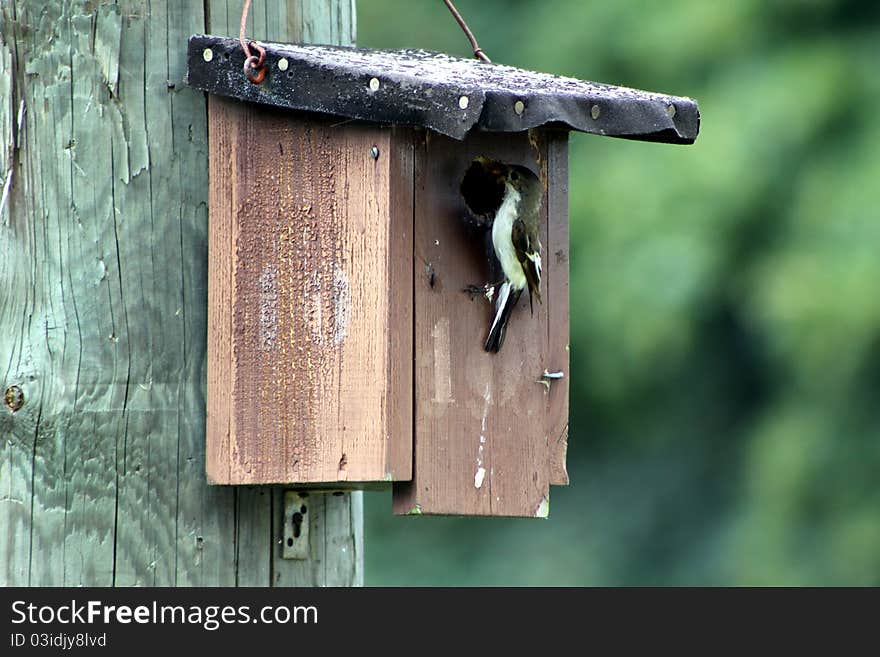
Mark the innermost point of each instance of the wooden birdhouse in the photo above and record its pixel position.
(346, 345)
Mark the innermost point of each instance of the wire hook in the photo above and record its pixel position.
(254, 66)
(478, 52)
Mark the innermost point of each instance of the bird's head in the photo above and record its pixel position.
(485, 181)
(523, 180)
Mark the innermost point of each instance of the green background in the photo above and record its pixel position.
(725, 328)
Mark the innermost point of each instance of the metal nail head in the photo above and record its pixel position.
(463, 102)
(207, 54)
(283, 64)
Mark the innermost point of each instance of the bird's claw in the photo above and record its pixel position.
(474, 291)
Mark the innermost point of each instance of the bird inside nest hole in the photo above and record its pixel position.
(505, 201)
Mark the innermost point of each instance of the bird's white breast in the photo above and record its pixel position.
(502, 228)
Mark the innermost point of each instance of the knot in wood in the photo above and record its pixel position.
(13, 398)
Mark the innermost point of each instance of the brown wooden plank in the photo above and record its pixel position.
(400, 308)
(310, 390)
(481, 420)
(222, 153)
(556, 272)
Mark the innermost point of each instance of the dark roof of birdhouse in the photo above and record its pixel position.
(447, 94)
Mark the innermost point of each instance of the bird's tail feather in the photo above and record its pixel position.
(507, 299)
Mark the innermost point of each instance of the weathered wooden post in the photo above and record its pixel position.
(103, 234)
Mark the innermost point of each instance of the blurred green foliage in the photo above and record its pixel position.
(725, 424)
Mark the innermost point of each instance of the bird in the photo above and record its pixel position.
(508, 196)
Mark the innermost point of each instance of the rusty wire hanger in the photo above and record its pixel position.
(478, 52)
(255, 65)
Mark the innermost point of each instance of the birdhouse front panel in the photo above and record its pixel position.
(490, 427)
(310, 291)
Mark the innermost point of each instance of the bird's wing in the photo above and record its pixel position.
(528, 252)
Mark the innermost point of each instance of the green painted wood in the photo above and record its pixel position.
(103, 306)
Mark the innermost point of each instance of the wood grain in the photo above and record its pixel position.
(557, 300)
(311, 380)
(223, 154)
(103, 254)
(482, 421)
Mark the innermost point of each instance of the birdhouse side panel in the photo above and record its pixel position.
(221, 250)
(486, 424)
(557, 275)
(310, 394)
